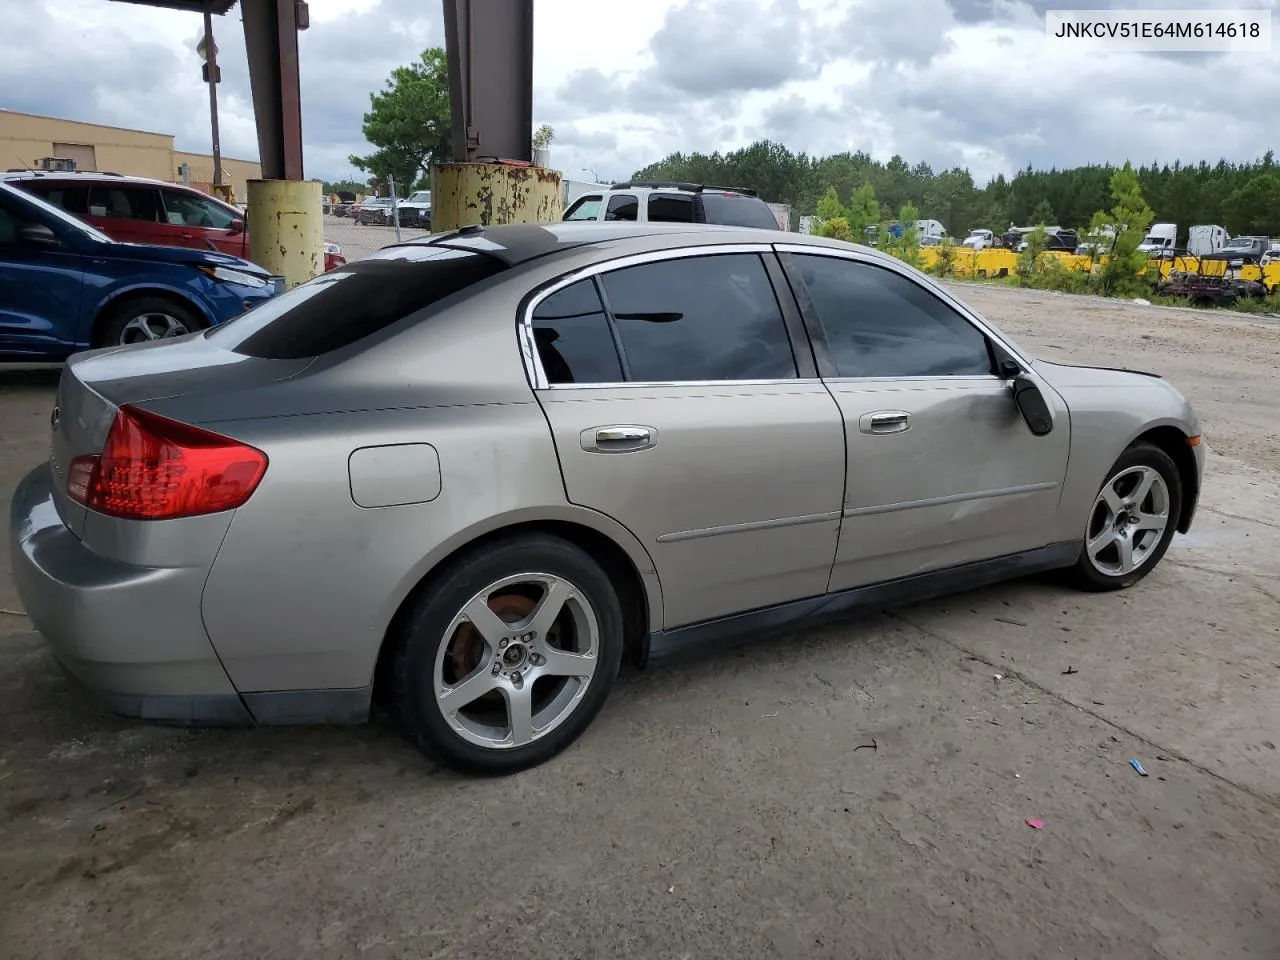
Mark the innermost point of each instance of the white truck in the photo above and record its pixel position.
(573, 189)
(1207, 238)
(930, 231)
(1161, 240)
(978, 239)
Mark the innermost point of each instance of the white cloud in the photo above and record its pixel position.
(946, 82)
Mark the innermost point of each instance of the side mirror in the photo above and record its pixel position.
(38, 235)
(237, 226)
(1030, 401)
(1032, 406)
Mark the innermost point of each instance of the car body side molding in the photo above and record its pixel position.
(728, 631)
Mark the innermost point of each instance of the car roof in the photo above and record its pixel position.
(515, 244)
(104, 175)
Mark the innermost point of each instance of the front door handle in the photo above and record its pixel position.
(885, 421)
(618, 438)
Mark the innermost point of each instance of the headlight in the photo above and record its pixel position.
(227, 275)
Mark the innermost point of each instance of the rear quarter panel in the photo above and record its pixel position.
(307, 582)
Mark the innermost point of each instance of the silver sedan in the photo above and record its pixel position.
(470, 476)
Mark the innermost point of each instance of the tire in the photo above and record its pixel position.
(493, 669)
(1104, 564)
(144, 319)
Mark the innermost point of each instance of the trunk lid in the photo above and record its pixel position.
(96, 383)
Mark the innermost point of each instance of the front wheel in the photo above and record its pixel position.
(144, 319)
(1132, 521)
(508, 656)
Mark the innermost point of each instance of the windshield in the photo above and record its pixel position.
(587, 208)
(421, 196)
(61, 215)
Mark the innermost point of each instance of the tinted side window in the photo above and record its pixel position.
(880, 324)
(739, 211)
(12, 219)
(584, 208)
(125, 203)
(670, 208)
(573, 337)
(622, 206)
(345, 305)
(70, 198)
(184, 209)
(700, 318)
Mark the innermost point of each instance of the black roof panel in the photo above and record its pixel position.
(519, 243)
(217, 7)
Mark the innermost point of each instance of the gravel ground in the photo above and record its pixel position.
(859, 791)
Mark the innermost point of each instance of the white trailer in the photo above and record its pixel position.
(1206, 238)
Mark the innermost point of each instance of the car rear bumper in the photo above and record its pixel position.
(133, 635)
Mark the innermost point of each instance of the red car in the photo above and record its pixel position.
(138, 210)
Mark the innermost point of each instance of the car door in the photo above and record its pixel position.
(689, 410)
(41, 289)
(130, 213)
(942, 470)
(201, 222)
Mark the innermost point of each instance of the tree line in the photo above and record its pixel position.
(1243, 197)
(408, 124)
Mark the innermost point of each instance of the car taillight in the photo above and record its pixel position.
(154, 468)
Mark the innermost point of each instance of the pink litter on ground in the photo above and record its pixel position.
(1035, 824)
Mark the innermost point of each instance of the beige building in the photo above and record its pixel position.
(26, 140)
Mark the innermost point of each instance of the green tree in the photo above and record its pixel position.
(863, 210)
(1254, 207)
(1129, 217)
(906, 246)
(409, 123)
(343, 186)
(1029, 259)
(837, 228)
(1042, 215)
(829, 205)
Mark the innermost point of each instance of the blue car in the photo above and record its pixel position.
(64, 286)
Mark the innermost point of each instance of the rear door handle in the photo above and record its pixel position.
(618, 438)
(885, 421)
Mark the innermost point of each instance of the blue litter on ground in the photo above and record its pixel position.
(1138, 766)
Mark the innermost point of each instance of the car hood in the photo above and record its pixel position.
(190, 256)
(1068, 375)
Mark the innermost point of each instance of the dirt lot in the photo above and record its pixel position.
(724, 808)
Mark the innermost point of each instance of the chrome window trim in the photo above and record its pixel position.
(538, 378)
(906, 272)
(684, 384)
(529, 349)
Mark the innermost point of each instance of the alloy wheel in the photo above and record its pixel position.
(1128, 521)
(516, 661)
(152, 325)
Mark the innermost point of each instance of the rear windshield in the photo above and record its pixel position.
(739, 211)
(345, 305)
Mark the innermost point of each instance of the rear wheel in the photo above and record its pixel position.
(144, 319)
(509, 656)
(1132, 521)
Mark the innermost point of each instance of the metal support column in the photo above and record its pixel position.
(493, 180)
(489, 45)
(271, 40)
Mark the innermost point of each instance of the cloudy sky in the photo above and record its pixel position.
(969, 82)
